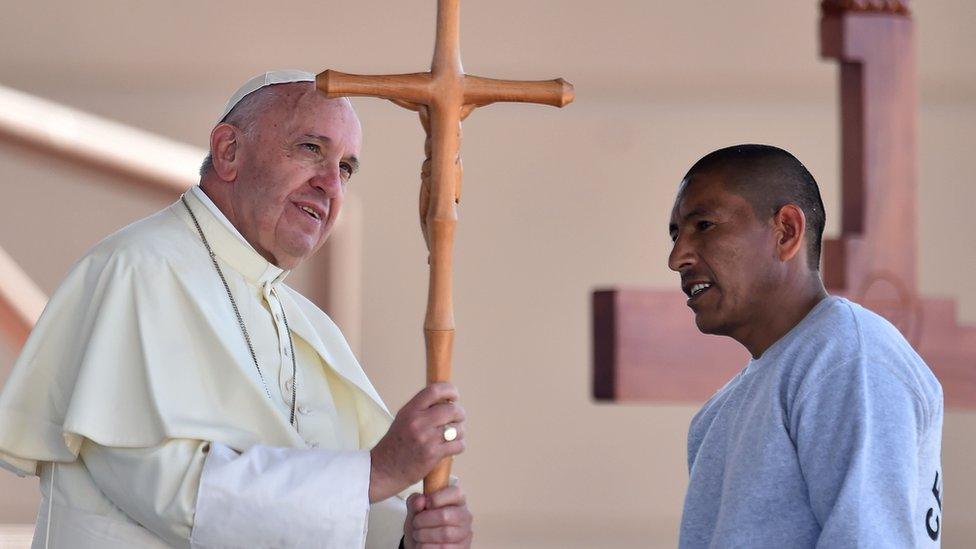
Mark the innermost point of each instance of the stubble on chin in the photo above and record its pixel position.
(703, 325)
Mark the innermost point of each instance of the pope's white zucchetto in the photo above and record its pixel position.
(267, 79)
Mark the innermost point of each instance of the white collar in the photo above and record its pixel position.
(234, 248)
(199, 193)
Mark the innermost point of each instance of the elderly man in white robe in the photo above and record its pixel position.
(175, 392)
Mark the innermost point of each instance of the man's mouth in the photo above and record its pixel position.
(695, 290)
(311, 212)
(699, 288)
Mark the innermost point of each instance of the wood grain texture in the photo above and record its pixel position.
(443, 98)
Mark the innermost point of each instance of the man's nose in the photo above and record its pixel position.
(682, 256)
(329, 181)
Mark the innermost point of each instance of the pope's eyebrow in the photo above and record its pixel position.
(316, 137)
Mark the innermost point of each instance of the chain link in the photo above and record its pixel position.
(240, 321)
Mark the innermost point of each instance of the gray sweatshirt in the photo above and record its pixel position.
(831, 439)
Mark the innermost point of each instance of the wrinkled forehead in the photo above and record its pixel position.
(299, 112)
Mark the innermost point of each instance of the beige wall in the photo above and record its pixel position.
(555, 202)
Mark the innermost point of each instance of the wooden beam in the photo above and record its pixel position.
(21, 302)
(646, 347)
(879, 219)
(134, 155)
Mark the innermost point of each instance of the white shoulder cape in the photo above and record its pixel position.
(139, 345)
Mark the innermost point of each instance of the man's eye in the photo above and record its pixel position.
(312, 147)
(704, 225)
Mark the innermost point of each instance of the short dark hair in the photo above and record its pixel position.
(769, 178)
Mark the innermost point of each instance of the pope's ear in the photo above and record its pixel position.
(224, 144)
(791, 225)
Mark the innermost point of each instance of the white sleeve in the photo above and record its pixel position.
(265, 497)
(282, 497)
(386, 523)
(154, 486)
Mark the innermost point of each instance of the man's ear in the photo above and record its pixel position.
(224, 144)
(790, 226)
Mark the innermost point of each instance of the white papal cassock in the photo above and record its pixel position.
(137, 402)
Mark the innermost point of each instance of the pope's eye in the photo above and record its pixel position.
(312, 147)
(347, 169)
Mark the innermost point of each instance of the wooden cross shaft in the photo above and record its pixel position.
(443, 97)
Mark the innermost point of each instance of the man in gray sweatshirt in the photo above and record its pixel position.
(831, 435)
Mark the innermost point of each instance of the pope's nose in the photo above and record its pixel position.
(328, 181)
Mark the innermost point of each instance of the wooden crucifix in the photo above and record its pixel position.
(646, 345)
(443, 97)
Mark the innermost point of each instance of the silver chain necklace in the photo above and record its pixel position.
(240, 320)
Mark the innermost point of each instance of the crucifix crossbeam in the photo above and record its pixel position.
(443, 97)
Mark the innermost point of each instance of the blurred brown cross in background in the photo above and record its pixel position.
(646, 344)
(444, 97)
